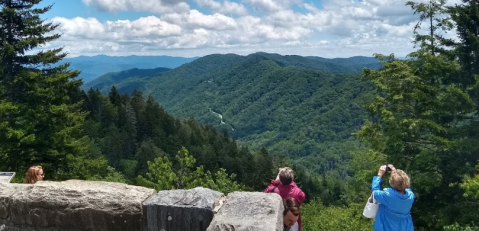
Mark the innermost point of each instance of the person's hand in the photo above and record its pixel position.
(382, 170)
(279, 171)
(392, 167)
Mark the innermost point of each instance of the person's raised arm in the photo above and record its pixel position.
(273, 183)
(376, 184)
(380, 195)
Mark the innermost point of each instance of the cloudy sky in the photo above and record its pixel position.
(188, 28)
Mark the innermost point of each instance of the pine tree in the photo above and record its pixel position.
(430, 14)
(39, 123)
(421, 121)
(466, 48)
(114, 96)
(466, 19)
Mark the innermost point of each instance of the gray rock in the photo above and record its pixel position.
(180, 210)
(249, 211)
(8, 226)
(72, 205)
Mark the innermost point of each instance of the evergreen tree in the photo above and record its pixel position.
(114, 96)
(466, 19)
(264, 171)
(466, 48)
(164, 175)
(39, 123)
(422, 119)
(430, 14)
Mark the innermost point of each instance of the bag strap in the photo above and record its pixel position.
(272, 190)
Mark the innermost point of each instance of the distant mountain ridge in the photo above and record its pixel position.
(92, 67)
(293, 105)
(125, 78)
(104, 82)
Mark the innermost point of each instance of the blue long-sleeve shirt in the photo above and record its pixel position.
(394, 210)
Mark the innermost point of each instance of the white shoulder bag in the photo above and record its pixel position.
(371, 208)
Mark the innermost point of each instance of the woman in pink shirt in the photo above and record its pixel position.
(285, 187)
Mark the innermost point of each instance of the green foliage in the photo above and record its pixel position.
(128, 167)
(431, 14)
(424, 119)
(291, 109)
(457, 227)
(301, 108)
(129, 131)
(111, 176)
(416, 123)
(106, 81)
(162, 175)
(40, 118)
(316, 216)
(359, 186)
(465, 16)
(289, 105)
(471, 186)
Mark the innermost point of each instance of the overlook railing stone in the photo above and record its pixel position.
(76, 205)
(72, 205)
(172, 210)
(248, 211)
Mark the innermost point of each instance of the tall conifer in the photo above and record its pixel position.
(39, 122)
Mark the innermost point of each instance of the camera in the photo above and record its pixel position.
(388, 169)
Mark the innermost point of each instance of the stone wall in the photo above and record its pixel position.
(76, 205)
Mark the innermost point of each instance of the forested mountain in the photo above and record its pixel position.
(92, 67)
(104, 82)
(295, 106)
(355, 63)
(422, 116)
(130, 131)
(352, 64)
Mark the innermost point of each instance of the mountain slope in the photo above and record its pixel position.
(354, 64)
(290, 110)
(92, 67)
(295, 106)
(104, 82)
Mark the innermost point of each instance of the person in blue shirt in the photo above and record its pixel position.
(395, 202)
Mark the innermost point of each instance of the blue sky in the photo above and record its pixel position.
(187, 28)
(77, 8)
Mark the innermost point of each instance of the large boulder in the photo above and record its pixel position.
(249, 211)
(72, 205)
(180, 210)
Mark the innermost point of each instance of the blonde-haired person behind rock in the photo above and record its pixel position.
(395, 202)
(34, 174)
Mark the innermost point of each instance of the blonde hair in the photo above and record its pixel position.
(32, 174)
(286, 176)
(399, 180)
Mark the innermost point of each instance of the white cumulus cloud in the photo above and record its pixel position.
(155, 6)
(336, 28)
(224, 7)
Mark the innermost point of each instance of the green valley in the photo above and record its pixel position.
(295, 106)
(228, 122)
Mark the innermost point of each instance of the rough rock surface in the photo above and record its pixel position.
(72, 205)
(249, 211)
(180, 210)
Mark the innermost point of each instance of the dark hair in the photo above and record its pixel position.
(291, 204)
(286, 176)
